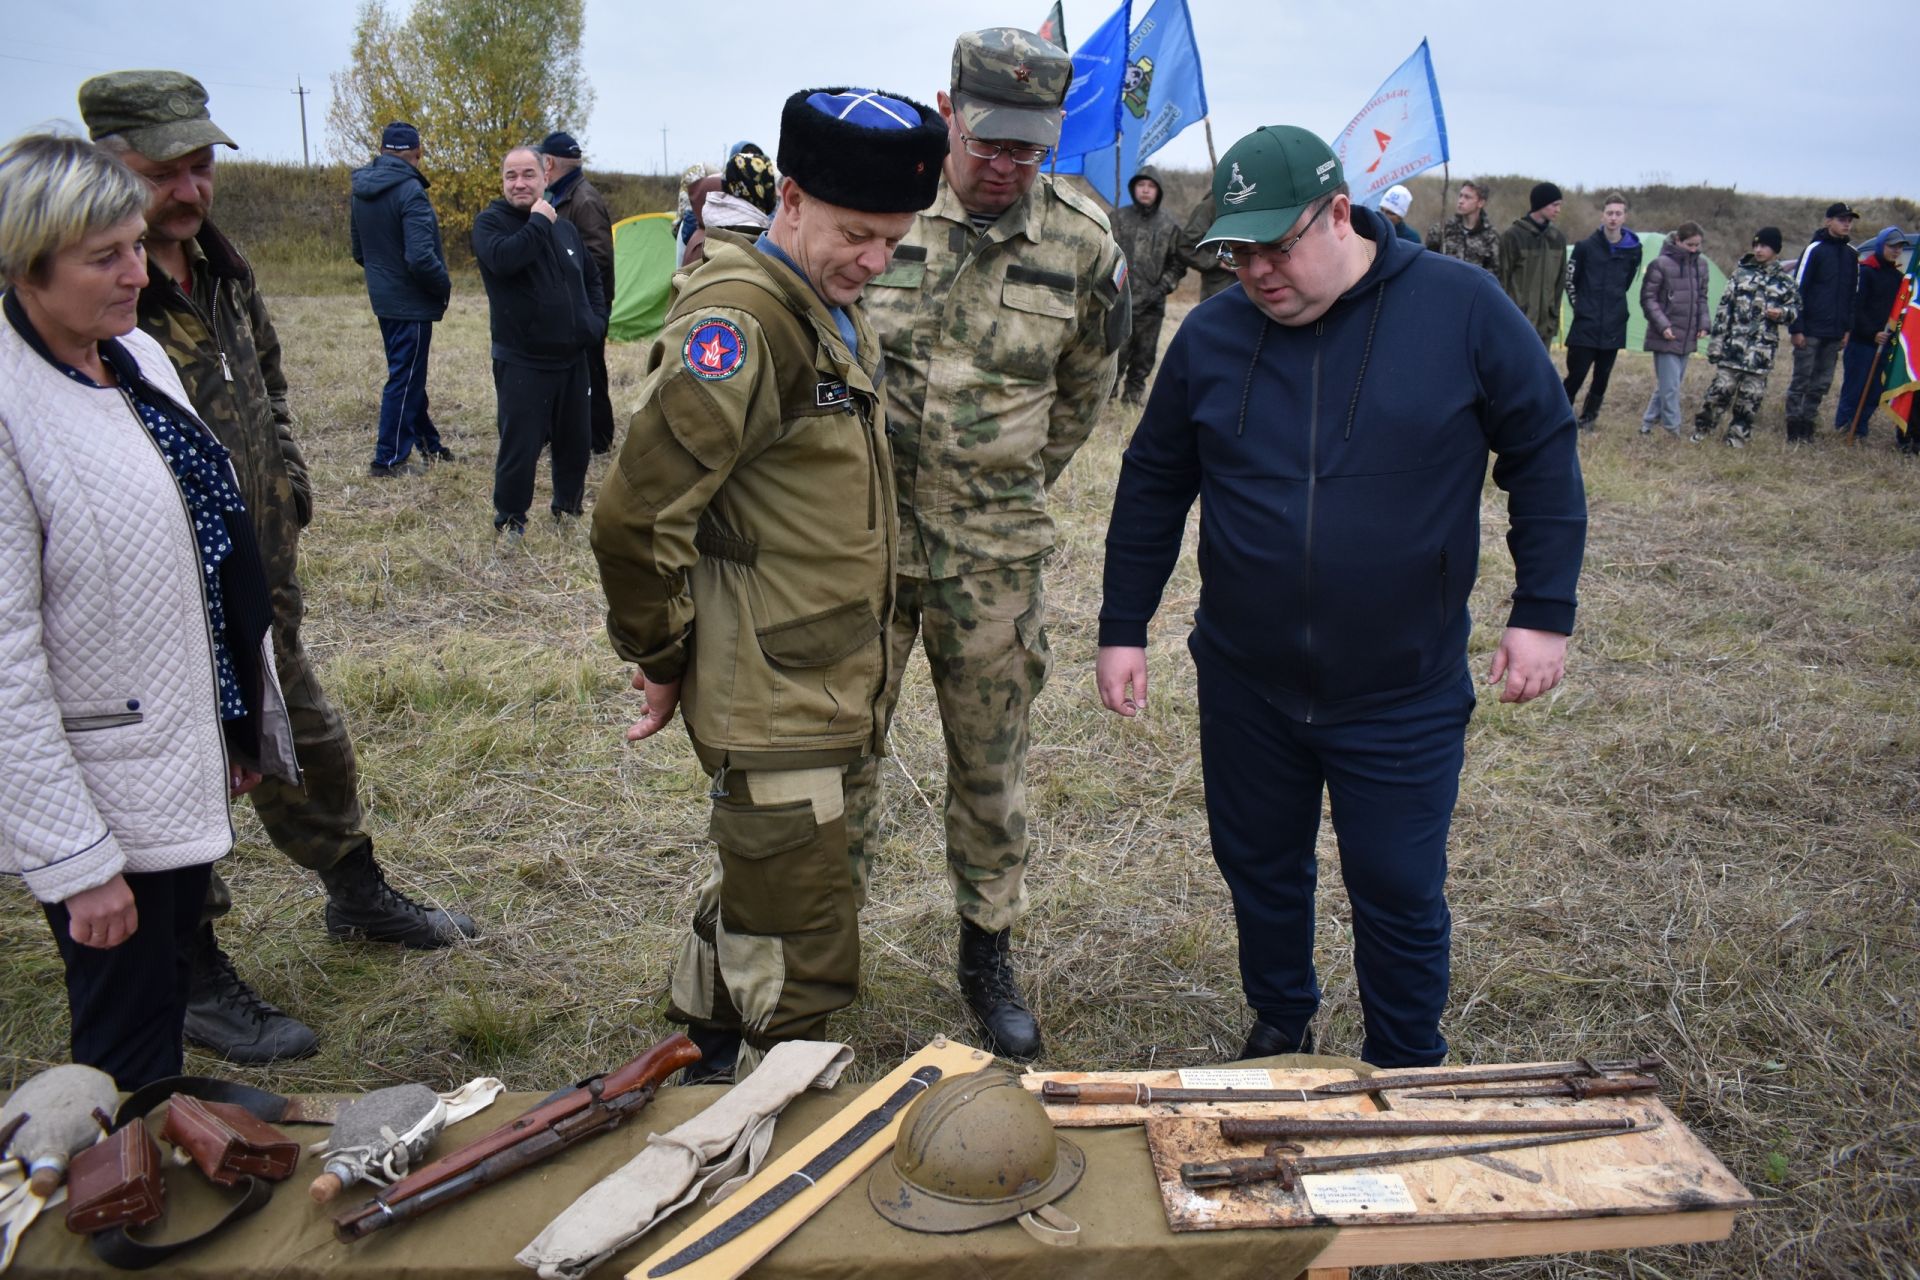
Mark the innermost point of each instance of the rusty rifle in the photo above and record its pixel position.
(1288, 1170)
(1576, 1087)
(1111, 1093)
(572, 1115)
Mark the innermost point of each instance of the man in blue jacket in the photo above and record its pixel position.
(1337, 411)
(546, 310)
(396, 240)
(1828, 274)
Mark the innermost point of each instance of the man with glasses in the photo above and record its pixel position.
(1001, 317)
(1337, 411)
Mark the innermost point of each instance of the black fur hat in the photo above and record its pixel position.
(860, 149)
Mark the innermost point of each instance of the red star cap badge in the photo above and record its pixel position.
(1021, 73)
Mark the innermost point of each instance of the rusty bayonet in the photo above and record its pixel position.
(1287, 1170)
(1577, 1087)
(1267, 1130)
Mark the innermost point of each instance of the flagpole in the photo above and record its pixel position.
(1213, 161)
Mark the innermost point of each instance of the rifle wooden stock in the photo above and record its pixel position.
(595, 1106)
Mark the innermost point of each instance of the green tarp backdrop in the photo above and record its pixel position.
(644, 256)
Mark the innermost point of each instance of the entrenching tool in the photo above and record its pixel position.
(1288, 1170)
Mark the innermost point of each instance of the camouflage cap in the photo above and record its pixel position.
(161, 114)
(1009, 85)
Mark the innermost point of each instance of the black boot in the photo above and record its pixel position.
(719, 1053)
(225, 1015)
(1266, 1042)
(361, 904)
(986, 981)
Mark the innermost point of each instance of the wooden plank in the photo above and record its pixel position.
(1626, 1178)
(734, 1257)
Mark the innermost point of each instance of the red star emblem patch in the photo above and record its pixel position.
(1021, 73)
(715, 349)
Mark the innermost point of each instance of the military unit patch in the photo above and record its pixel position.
(715, 349)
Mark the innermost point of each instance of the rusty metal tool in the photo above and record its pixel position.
(1577, 1087)
(1267, 1130)
(1110, 1093)
(1288, 1170)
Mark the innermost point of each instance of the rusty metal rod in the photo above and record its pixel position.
(1487, 1075)
(1118, 1093)
(1266, 1130)
(1577, 1087)
(1287, 1171)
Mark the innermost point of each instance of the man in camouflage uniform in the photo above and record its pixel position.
(1758, 299)
(203, 305)
(1001, 317)
(1468, 235)
(746, 543)
(1150, 238)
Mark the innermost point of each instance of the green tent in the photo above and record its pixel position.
(1650, 242)
(644, 256)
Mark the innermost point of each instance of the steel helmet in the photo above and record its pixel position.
(974, 1150)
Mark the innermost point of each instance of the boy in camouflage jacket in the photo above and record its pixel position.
(1759, 298)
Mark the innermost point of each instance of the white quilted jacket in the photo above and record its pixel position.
(111, 754)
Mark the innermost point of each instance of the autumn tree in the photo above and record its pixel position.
(475, 76)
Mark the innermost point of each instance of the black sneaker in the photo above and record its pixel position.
(362, 906)
(439, 453)
(228, 1017)
(1266, 1042)
(395, 470)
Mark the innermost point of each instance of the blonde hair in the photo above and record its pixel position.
(55, 191)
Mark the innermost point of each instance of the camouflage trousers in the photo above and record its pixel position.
(775, 942)
(987, 655)
(1142, 349)
(1740, 388)
(319, 822)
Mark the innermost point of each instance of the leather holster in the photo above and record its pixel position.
(115, 1183)
(228, 1142)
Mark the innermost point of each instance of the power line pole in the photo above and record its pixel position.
(301, 90)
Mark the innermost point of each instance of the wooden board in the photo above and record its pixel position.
(734, 1257)
(1661, 1172)
(1089, 1117)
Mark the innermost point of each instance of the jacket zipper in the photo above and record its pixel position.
(213, 330)
(1313, 479)
(206, 618)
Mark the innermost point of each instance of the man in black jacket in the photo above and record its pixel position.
(546, 308)
(578, 201)
(396, 240)
(1828, 273)
(1599, 274)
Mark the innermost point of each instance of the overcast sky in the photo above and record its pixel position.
(1713, 91)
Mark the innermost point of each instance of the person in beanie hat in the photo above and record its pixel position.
(1533, 255)
(1759, 297)
(746, 544)
(204, 306)
(742, 202)
(1010, 287)
(1863, 363)
(395, 236)
(1338, 409)
(579, 202)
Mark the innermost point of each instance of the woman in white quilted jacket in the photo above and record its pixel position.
(137, 691)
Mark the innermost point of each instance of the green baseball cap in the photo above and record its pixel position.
(1010, 85)
(161, 114)
(1266, 181)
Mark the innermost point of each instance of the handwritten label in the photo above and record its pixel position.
(1225, 1078)
(1346, 1194)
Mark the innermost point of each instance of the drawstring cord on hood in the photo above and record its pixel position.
(1366, 354)
(1246, 390)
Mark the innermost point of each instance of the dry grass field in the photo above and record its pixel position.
(1705, 844)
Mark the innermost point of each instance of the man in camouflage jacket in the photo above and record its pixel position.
(1468, 235)
(203, 305)
(1001, 318)
(1758, 299)
(1150, 238)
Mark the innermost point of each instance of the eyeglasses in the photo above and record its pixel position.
(981, 149)
(1238, 255)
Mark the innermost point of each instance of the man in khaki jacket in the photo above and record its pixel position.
(746, 543)
(1001, 318)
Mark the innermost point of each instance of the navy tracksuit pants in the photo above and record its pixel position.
(1392, 778)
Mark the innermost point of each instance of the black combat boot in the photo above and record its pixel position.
(225, 1015)
(362, 905)
(986, 981)
(719, 1055)
(1267, 1042)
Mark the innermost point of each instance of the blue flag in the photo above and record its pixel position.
(1400, 132)
(1162, 93)
(1093, 99)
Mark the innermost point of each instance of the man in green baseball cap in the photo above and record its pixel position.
(204, 306)
(1339, 409)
